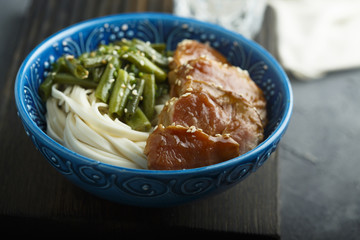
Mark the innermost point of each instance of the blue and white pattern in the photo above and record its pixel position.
(143, 187)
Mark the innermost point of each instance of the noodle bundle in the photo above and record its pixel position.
(78, 121)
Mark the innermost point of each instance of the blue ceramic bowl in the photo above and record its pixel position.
(151, 188)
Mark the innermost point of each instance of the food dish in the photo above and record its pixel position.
(133, 104)
(152, 187)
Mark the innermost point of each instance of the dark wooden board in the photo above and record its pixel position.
(35, 198)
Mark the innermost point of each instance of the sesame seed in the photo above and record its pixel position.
(142, 63)
(186, 94)
(191, 129)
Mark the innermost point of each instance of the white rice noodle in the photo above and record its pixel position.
(75, 119)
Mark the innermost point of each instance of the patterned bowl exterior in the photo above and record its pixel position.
(145, 187)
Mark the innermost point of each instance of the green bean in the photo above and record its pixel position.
(106, 49)
(159, 47)
(139, 121)
(151, 53)
(129, 75)
(45, 87)
(59, 65)
(161, 89)
(148, 103)
(96, 61)
(134, 98)
(125, 44)
(169, 53)
(76, 68)
(133, 69)
(107, 80)
(122, 105)
(118, 92)
(96, 73)
(145, 65)
(66, 78)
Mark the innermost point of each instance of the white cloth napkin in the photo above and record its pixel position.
(317, 36)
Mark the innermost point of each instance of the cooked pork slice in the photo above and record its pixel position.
(195, 109)
(228, 77)
(215, 111)
(192, 49)
(179, 147)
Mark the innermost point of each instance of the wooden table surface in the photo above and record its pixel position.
(36, 200)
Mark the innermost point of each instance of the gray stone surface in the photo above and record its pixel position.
(319, 160)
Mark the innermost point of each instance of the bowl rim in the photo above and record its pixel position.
(22, 112)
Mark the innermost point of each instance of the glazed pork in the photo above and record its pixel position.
(200, 122)
(228, 77)
(191, 49)
(216, 112)
(178, 147)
